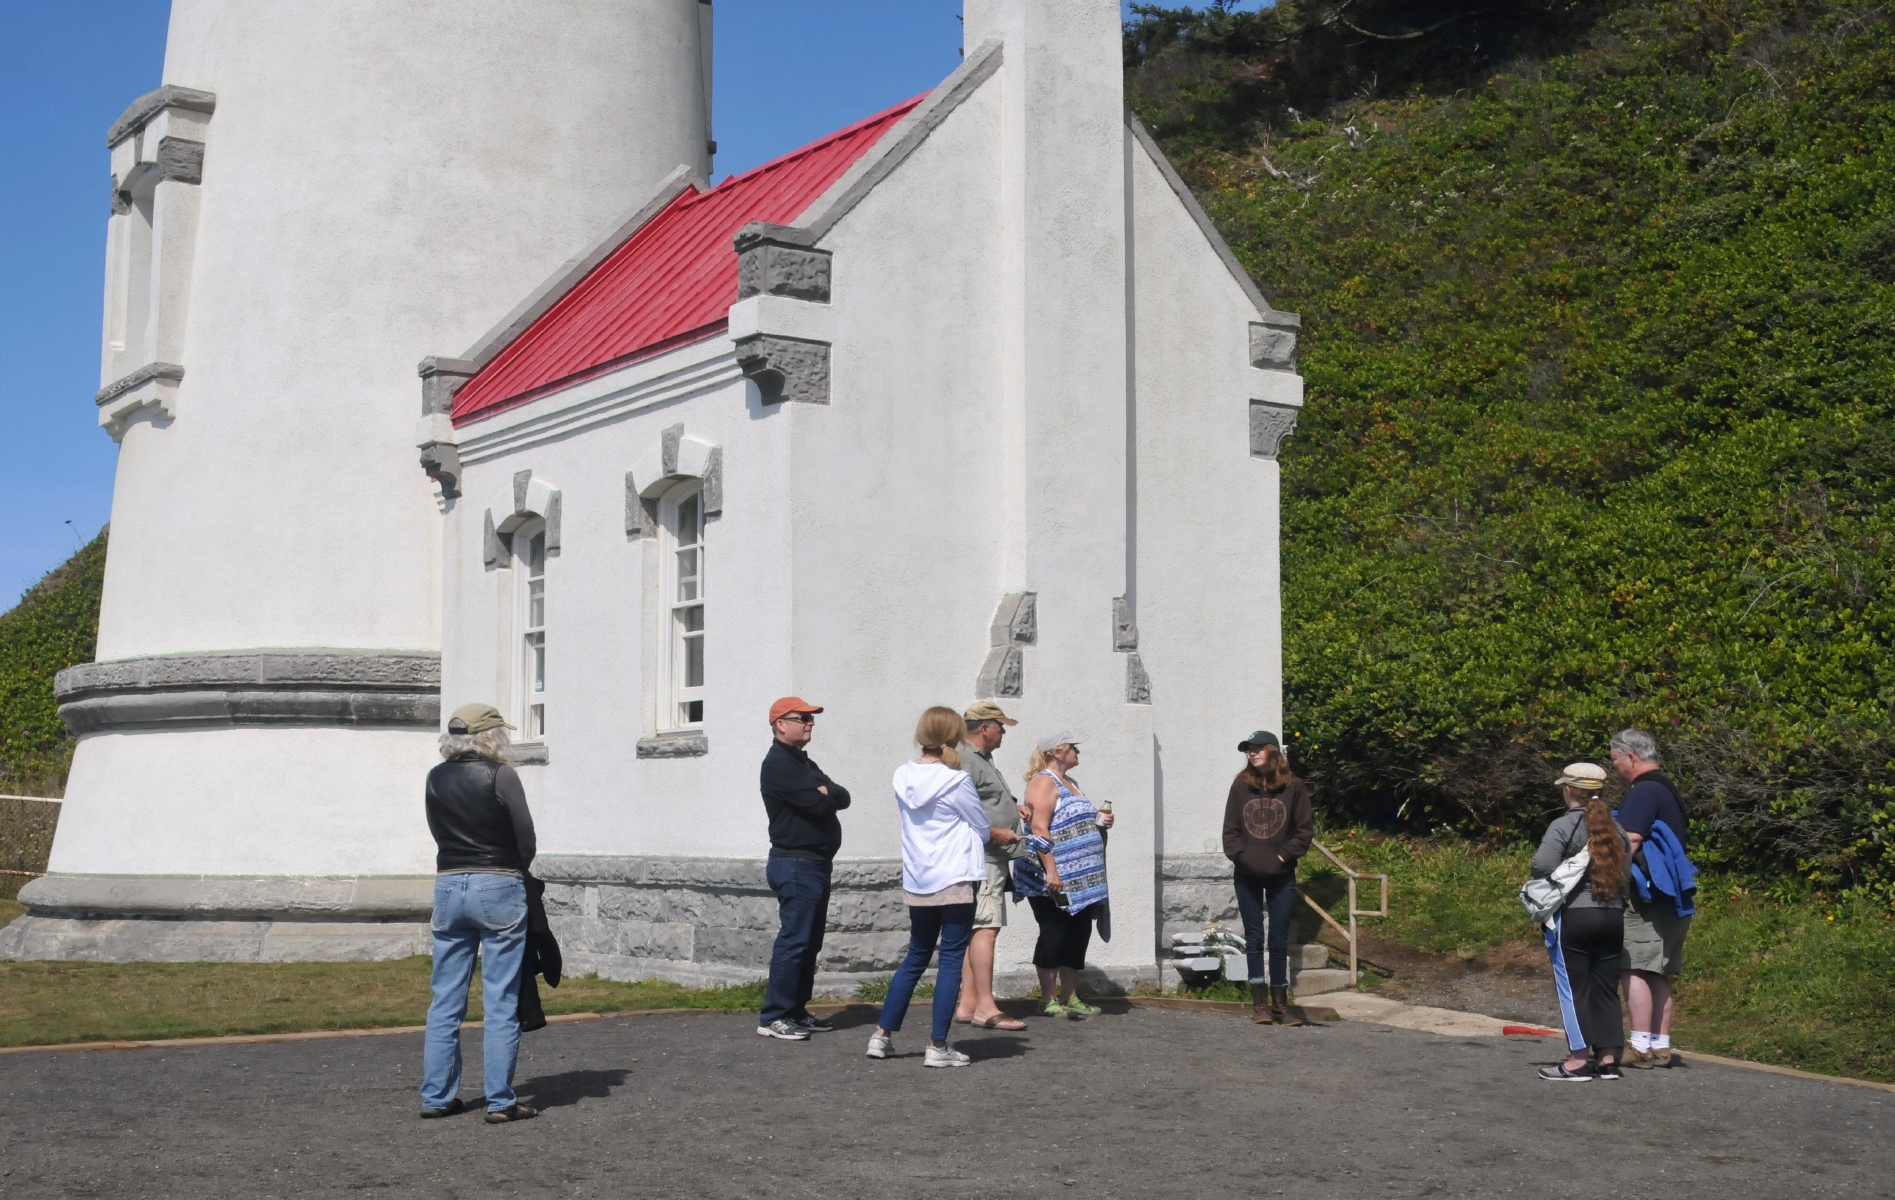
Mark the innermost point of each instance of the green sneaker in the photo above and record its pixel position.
(1079, 1010)
(1053, 1008)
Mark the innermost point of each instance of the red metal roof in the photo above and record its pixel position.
(671, 283)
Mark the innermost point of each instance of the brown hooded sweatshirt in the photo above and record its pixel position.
(1266, 832)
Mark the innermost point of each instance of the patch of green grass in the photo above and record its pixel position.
(874, 991)
(47, 1003)
(1769, 975)
(10, 909)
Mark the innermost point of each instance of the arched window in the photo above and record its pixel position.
(529, 623)
(681, 519)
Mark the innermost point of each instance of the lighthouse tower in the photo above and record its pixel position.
(316, 191)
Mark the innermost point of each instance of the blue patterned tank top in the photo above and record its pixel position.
(1078, 851)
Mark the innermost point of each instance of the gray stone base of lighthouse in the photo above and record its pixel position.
(694, 921)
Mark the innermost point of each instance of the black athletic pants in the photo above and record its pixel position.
(1064, 936)
(1584, 944)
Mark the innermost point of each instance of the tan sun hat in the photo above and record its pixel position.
(1589, 776)
(986, 710)
(476, 718)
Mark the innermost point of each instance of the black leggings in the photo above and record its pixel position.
(1584, 944)
(1064, 935)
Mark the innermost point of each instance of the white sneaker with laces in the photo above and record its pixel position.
(879, 1046)
(945, 1056)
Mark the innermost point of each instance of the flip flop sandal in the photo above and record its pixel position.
(519, 1112)
(1002, 1021)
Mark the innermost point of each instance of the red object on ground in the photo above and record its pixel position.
(671, 283)
(1530, 1030)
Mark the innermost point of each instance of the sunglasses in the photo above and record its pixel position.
(799, 718)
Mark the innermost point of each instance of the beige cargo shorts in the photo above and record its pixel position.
(1654, 936)
(990, 903)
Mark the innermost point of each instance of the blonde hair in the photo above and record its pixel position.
(491, 744)
(939, 732)
(1036, 761)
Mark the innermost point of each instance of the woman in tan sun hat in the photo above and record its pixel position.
(1585, 937)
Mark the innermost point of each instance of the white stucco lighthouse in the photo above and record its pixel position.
(316, 191)
(966, 400)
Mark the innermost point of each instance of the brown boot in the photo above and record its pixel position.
(1280, 1007)
(1260, 1012)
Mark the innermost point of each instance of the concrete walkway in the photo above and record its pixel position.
(1140, 1102)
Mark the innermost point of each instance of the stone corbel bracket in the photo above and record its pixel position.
(675, 458)
(1015, 624)
(1277, 389)
(434, 435)
(531, 498)
(154, 385)
(781, 325)
(1125, 641)
(1269, 425)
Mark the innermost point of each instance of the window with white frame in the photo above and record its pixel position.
(529, 551)
(682, 520)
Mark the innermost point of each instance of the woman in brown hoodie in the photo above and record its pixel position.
(1267, 827)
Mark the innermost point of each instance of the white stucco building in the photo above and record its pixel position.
(967, 399)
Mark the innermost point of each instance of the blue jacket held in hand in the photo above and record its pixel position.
(1661, 866)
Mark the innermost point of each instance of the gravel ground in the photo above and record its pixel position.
(1138, 1103)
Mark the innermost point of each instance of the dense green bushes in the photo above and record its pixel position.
(55, 625)
(1599, 401)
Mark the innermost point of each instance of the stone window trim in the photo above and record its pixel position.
(688, 744)
(529, 754)
(1269, 425)
(1015, 624)
(292, 686)
(676, 458)
(532, 499)
(146, 108)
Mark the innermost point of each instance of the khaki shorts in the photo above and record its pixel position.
(1654, 937)
(990, 903)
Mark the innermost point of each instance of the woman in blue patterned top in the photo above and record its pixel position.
(1064, 879)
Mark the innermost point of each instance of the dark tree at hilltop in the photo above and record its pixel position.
(1211, 78)
(1598, 304)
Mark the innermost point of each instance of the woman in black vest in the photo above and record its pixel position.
(1585, 937)
(484, 842)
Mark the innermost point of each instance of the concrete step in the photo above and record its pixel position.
(1314, 982)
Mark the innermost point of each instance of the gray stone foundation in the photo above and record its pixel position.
(695, 921)
(199, 918)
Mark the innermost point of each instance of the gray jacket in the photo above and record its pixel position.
(1564, 838)
(996, 797)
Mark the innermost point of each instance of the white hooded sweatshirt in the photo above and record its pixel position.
(943, 827)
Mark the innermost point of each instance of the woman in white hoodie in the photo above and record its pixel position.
(944, 832)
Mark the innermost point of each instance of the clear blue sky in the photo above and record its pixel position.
(68, 67)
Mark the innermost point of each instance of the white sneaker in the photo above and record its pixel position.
(784, 1030)
(945, 1056)
(879, 1046)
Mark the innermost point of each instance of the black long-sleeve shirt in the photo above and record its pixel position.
(803, 820)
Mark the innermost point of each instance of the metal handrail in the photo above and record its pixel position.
(1355, 976)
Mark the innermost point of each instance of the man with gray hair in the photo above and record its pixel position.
(1654, 928)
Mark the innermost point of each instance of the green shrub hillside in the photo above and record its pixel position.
(55, 625)
(1598, 304)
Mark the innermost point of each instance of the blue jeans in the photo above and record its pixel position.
(951, 925)
(486, 913)
(1276, 896)
(802, 907)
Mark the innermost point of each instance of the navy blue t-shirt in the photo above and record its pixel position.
(1652, 798)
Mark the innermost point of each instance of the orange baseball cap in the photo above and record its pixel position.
(791, 704)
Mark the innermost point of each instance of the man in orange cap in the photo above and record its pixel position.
(804, 836)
